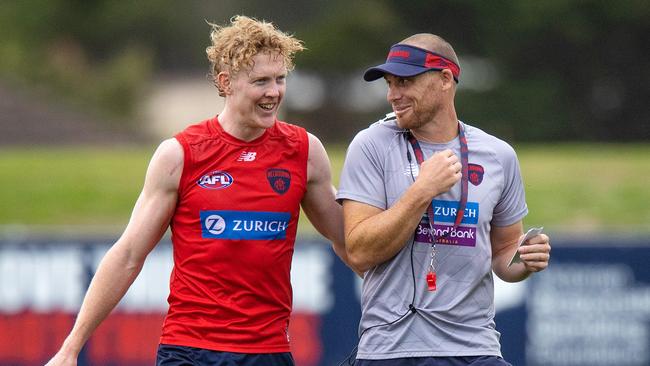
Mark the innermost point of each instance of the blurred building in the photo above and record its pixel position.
(32, 117)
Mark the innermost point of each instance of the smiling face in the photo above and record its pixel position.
(415, 100)
(254, 94)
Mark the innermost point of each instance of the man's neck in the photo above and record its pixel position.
(238, 129)
(437, 131)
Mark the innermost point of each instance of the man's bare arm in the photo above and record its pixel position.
(124, 260)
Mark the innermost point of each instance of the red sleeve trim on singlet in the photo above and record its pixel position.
(300, 135)
(187, 159)
(304, 139)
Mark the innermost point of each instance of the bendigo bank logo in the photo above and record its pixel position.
(444, 213)
(279, 179)
(215, 180)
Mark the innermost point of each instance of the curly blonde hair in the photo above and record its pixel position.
(234, 46)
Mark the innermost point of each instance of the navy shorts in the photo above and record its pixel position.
(189, 356)
(437, 361)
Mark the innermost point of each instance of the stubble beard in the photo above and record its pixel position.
(417, 121)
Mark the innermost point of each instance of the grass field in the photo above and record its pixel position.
(571, 188)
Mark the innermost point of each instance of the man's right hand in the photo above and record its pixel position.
(439, 173)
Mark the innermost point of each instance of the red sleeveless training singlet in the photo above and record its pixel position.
(233, 236)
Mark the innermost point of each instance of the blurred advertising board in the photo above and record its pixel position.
(591, 307)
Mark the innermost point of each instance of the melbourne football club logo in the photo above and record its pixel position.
(279, 179)
(214, 224)
(216, 180)
(475, 174)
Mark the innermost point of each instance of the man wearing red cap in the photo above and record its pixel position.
(432, 206)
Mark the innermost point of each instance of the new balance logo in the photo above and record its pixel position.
(247, 156)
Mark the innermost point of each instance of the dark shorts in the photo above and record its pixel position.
(189, 356)
(437, 361)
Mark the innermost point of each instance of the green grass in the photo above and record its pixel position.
(595, 188)
(78, 187)
(588, 188)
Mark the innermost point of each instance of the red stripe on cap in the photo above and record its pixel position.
(439, 62)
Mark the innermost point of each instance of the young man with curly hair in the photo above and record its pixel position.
(230, 188)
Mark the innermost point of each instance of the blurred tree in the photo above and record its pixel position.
(348, 35)
(566, 70)
(57, 45)
(562, 70)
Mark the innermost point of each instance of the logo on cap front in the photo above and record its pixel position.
(399, 53)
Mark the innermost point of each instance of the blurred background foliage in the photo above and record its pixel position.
(557, 70)
(566, 82)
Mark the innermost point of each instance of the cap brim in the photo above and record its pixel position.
(397, 69)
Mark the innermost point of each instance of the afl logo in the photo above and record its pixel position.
(214, 224)
(216, 180)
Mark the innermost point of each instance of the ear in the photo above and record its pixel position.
(223, 83)
(447, 78)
